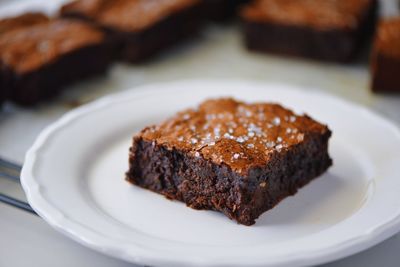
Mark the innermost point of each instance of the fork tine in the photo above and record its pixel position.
(16, 203)
(9, 170)
(12, 171)
(10, 165)
(12, 177)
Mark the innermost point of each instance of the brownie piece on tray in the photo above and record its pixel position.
(142, 28)
(385, 61)
(323, 30)
(236, 158)
(37, 61)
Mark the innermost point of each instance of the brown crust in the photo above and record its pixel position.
(21, 21)
(237, 134)
(165, 159)
(26, 49)
(126, 15)
(323, 15)
(387, 38)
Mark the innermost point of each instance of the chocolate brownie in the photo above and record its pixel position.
(17, 22)
(37, 61)
(142, 28)
(237, 158)
(323, 30)
(385, 59)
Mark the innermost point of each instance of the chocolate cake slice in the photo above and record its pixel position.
(142, 28)
(385, 59)
(37, 61)
(331, 30)
(237, 158)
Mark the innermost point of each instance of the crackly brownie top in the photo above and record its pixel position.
(238, 134)
(25, 20)
(127, 15)
(321, 14)
(29, 48)
(387, 40)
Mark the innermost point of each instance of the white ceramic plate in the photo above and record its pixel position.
(74, 178)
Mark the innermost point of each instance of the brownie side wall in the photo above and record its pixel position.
(368, 23)
(3, 85)
(337, 45)
(296, 41)
(74, 14)
(366, 31)
(286, 173)
(197, 182)
(141, 46)
(43, 83)
(112, 38)
(202, 184)
(221, 10)
(385, 73)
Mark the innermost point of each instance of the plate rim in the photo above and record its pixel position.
(73, 230)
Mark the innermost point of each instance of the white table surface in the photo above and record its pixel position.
(26, 240)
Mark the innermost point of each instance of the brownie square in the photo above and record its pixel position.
(236, 158)
(142, 28)
(321, 30)
(385, 59)
(37, 61)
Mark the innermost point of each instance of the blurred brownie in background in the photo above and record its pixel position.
(24, 20)
(37, 61)
(221, 10)
(324, 30)
(13, 23)
(385, 59)
(142, 28)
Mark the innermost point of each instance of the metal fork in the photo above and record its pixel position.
(11, 171)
